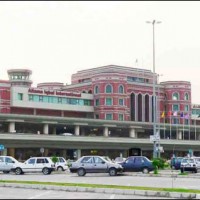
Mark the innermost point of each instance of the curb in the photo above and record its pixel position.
(104, 190)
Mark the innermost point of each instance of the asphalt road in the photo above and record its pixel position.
(19, 193)
(127, 180)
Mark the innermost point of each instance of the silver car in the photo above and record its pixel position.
(6, 163)
(95, 164)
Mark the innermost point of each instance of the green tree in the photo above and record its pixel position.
(54, 159)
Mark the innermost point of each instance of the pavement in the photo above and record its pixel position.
(161, 194)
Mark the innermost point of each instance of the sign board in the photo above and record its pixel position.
(41, 150)
(160, 149)
(154, 138)
(1, 147)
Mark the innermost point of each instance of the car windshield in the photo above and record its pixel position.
(107, 158)
(188, 160)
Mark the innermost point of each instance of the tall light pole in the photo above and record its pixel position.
(154, 90)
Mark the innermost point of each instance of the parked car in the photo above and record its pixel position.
(66, 134)
(190, 164)
(95, 164)
(137, 164)
(176, 162)
(61, 165)
(34, 164)
(6, 163)
(119, 159)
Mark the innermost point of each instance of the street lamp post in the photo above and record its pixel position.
(154, 90)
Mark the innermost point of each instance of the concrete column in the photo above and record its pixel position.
(34, 112)
(54, 130)
(132, 133)
(180, 135)
(105, 132)
(4, 152)
(77, 130)
(11, 152)
(46, 152)
(62, 113)
(46, 129)
(11, 127)
(64, 153)
(78, 153)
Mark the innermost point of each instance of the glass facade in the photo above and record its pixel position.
(60, 100)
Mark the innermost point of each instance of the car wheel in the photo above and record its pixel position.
(6, 172)
(81, 172)
(18, 171)
(145, 170)
(60, 168)
(45, 171)
(112, 172)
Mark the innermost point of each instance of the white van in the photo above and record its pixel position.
(6, 163)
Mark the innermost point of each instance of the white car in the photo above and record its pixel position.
(6, 163)
(34, 164)
(66, 134)
(61, 165)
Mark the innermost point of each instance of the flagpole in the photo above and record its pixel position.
(164, 128)
(183, 125)
(170, 126)
(195, 128)
(189, 125)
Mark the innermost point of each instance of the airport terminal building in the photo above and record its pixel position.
(108, 110)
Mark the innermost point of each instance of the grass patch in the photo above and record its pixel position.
(104, 186)
(184, 173)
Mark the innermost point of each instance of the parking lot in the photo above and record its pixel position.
(165, 180)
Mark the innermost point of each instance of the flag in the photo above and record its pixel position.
(175, 113)
(169, 114)
(182, 115)
(186, 116)
(163, 114)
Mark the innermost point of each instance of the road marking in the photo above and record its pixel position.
(39, 195)
(112, 196)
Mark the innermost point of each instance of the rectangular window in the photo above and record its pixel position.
(121, 117)
(41, 98)
(121, 102)
(59, 100)
(186, 107)
(109, 116)
(20, 96)
(186, 121)
(30, 96)
(108, 101)
(97, 116)
(175, 121)
(97, 102)
(175, 107)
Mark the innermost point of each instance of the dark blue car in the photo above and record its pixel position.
(137, 164)
(176, 162)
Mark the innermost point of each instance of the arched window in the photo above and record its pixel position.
(186, 97)
(96, 90)
(121, 89)
(175, 96)
(108, 89)
(90, 92)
